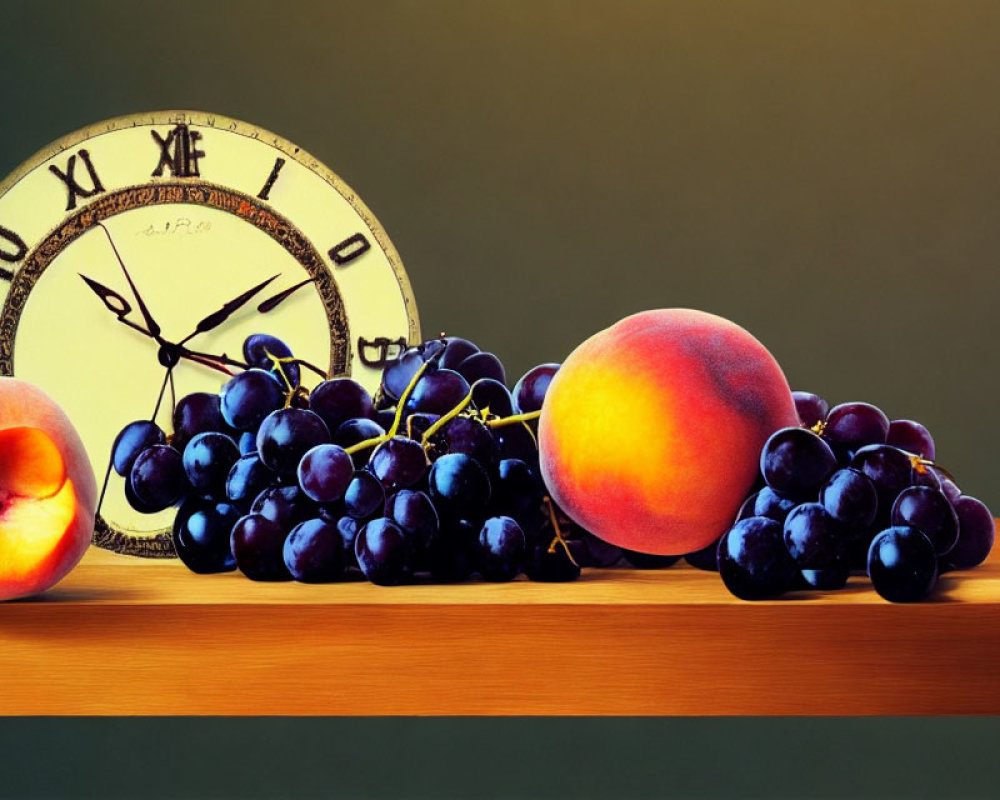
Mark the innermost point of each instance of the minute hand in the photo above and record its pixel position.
(216, 318)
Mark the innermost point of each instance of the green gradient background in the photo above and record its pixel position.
(825, 174)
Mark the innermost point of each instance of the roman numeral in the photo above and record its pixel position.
(349, 249)
(11, 256)
(386, 350)
(264, 193)
(179, 152)
(73, 187)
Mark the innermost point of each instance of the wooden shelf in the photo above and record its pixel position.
(125, 636)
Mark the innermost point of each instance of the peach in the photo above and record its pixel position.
(48, 492)
(650, 432)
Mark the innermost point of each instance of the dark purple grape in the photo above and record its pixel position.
(516, 490)
(415, 514)
(207, 459)
(492, 395)
(849, 497)
(398, 463)
(355, 431)
(599, 553)
(314, 552)
(454, 352)
(516, 441)
(340, 399)
(437, 392)
(286, 506)
(398, 374)
(814, 539)
(834, 577)
(747, 507)
(854, 425)
(889, 468)
(902, 564)
(648, 561)
(948, 486)
(248, 397)
(471, 437)
(201, 535)
(384, 418)
(255, 352)
(482, 365)
(383, 552)
(976, 532)
(247, 478)
(549, 563)
(248, 442)
(258, 547)
(325, 472)
(450, 558)
(364, 496)
(135, 502)
(196, 413)
(133, 439)
(768, 503)
(501, 549)
(753, 561)
(707, 558)
(158, 478)
(347, 529)
(923, 475)
(288, 434)
(912, 437)
(529, 391)
(929, 511)
(796, 462)
(810, 407)
(418, 424)
(459, 486)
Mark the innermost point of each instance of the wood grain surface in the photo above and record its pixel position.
(125, 636)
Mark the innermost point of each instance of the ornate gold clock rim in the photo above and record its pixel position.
(255, 132)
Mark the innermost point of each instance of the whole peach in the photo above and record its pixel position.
(48, 492)
(650, 432)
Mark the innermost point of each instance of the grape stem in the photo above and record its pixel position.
(558, 538)
(394, 428)
(440, 423)
(499, 422)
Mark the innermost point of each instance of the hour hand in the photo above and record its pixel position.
(280, 297)
(115, 303)
(216, 318)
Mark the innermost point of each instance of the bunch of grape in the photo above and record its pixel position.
(851, 491)
(436, 476)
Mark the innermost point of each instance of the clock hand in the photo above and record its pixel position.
(216, 318)
(272, 302)
(154, 329)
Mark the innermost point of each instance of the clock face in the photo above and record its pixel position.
(183, 212)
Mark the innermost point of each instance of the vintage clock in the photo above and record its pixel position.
(186, 211)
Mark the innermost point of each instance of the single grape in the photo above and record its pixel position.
(501, 549)
(516, 490)
(471, 437)
(768, 503)
(158, 478)
(135, 502)
(415, 514)
(201, 535)
(492, 395)
(437, 392)
(364, 496)
(482, 365)
(810, 407)
(929, 511)
(255, 352)
(889, 468)
(383, 552)
(976, 531)
(849, 496)
(286, 506)
(196, 413)
(247, 442)
(912, 437)
(550, 563)
(459, 486)
(314, 552)
(384, 417)
(397, 374)
(747, 507)
(450, 558)
(288, 434)
(398, 463)
(325, 472)
(208, 459)
(648, 561)
(132, 440)
(834, 577)
(948, 486)
(258, 547)
(753, 561)
(707, 558)
(813, 538)
(796, 462)
(924, 475)
(529, 391)
(855, 425)
(902, 564)
(247, 478)
(599, 553)
(354, 431)
(516, 441)
(248, 397)
(455, 351)
(340, 399)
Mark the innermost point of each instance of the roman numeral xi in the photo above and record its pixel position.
(74, 188)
